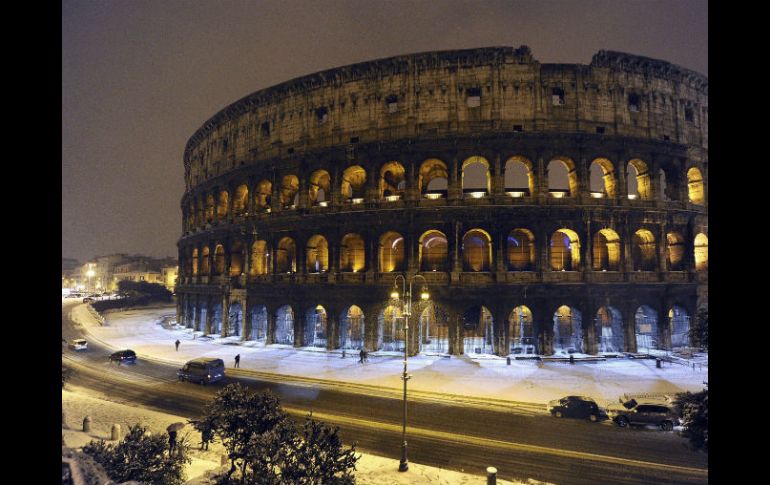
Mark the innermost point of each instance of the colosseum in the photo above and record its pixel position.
(541, 208)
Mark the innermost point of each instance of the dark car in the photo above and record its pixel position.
(123, 356)
(643, 413)
(203, 370)
(575, 407)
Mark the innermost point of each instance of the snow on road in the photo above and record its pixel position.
(370, 470)
(466, 376)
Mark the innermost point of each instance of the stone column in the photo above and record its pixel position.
(620, 170)
(541, 182)
(498, 180)
(454, 187)
(209, 314)
(225, 331)
(246, 320)
(589, 243)
(299, 329)
(371, 328)
(629, 328)
(270, 325)
(412, 192)
(332, 330)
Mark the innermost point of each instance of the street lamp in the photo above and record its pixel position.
(90, 273)
(404, 463)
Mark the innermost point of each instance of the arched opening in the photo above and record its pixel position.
(562, 178)
(606, 251)
(567, 331)
(260, 258)
(258, 331)
(392, 181)
(603, 183)
(224, 200)
(638, 180)
(521, 250)
(241, 199)
(609, 329)
(477, 251)
(390, 331)
(284, 326)
(219, 260)
(433, 251)
(205, 261)
(317, 260)
(519, 177)
(433, 327)
(195, 262)
(392, 252)
(263, 195)
(475, 178)
(643, 251)
(433, 179)
(565, 251)
(210, 208)
(236, 259)
(478, 331)
(315, 327)
(354, 184)
(701, 251)
(235, 319)
(352, 253)
(286, 256)
(352, 328)
(289, 193)
(319, 191)
(646, 329)
(679, 325)
(216, 319)
(521, 330)
(675, 249)
(695, 186)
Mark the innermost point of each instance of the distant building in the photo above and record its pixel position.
(70, 272)
(169, 274)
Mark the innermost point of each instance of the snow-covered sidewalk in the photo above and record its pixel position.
(370, 469)
(464, 377)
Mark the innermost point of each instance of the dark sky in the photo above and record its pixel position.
(139, 77)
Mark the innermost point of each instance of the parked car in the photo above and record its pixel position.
(202, 370)
(78, 344)
(123, 356)
(575, 407)
(643, 413)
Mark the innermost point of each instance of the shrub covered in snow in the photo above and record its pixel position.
(694, 409)
(265, 447)
(140, 456)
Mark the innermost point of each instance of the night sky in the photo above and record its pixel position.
(140, 77)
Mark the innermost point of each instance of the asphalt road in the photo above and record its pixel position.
(521, 443)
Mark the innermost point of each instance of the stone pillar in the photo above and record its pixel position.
(299, 329)
(662, 245)
(584, 179)
(225, 331)
(370, 254)
(411, 262)
(371, 328)
(303, 201)
(336, 187)
(541, 185)
(587, 260)
(275, 197)
(270, 325)
(209, 315)
(332, 330)
(498, 180)
(620, 170)
(589, 326)
(454, 187)
(230, 197)
(629, 327)
(412, 192)
(246, 325)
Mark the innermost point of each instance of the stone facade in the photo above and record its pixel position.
(306, 199)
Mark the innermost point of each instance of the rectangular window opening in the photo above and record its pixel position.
(322, 115)
(557, 96)
(518, 128)
(473, 97)
(265, 127)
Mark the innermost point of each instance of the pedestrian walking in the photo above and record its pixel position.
(238, 361)
(177, 345)
(171, 441)
(205, 438)
(361, 356)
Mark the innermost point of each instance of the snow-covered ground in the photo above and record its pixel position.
(458, 377)
(370, 469)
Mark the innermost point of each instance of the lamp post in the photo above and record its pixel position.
(404, 463)
(90, 273)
